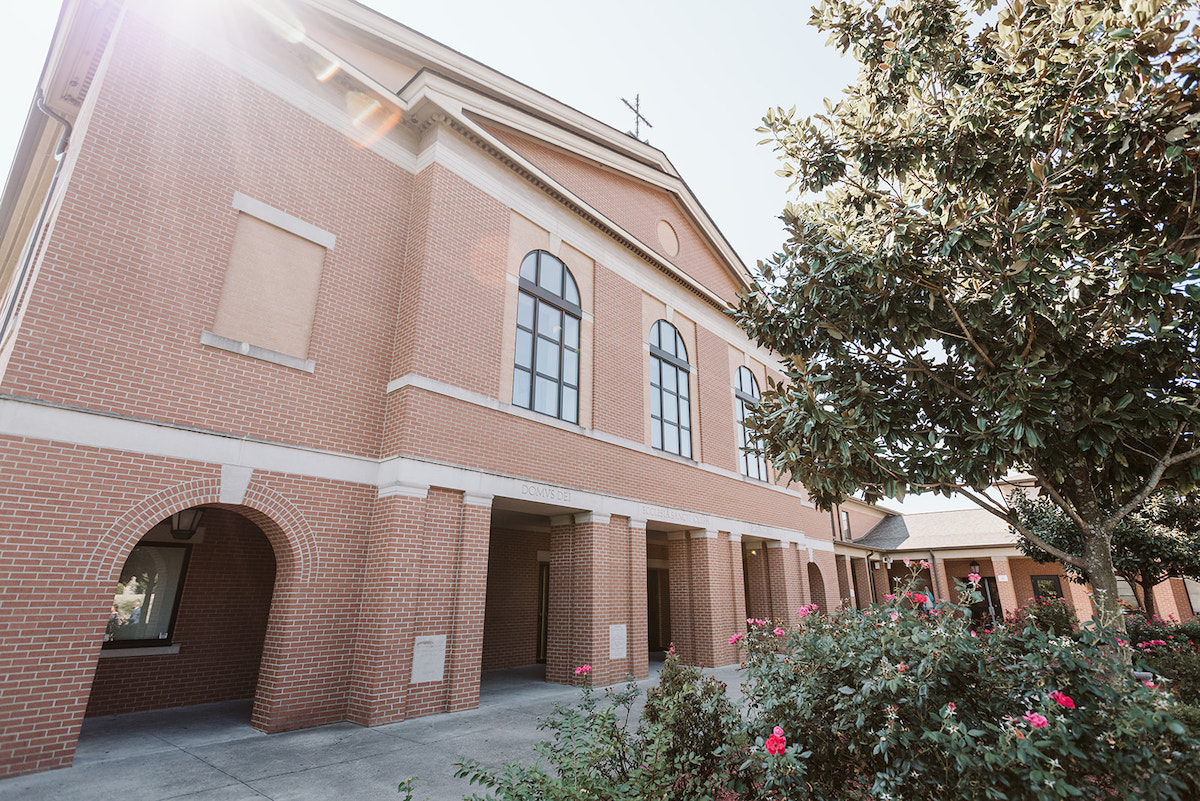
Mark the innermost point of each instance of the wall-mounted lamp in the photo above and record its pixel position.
(974, 566)
(887, 562)
(185, 524)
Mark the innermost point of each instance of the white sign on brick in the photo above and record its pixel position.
(429, 658)
(617, 636)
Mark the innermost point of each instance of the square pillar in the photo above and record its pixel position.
(787, 591)
(636, 613)
(382, 645)
(1004, 584)
(702, 598)
(862, 576)
(757, 582)
(597, 599)
(421, 622)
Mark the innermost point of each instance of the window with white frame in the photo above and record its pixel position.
(546, 367)
(670, 399)
(745, 393)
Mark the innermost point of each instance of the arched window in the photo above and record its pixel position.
(546, 368)
(670, 402)
(745, 393)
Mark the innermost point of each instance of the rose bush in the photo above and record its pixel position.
(891, 702)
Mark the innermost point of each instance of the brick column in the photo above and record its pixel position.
(465, 651)
(758, 579)
(566, 642)
(843, 580)
(634, 531)
(787, 591)
(1004, 584)
(422, 616)
(737, 581)
(862, 573)
(702, 598)
(597, 608)
(382, 647)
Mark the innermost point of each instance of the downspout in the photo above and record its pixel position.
(64, 141)
(871, 576)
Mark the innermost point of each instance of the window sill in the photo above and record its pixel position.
(255, 352)
(153, 650)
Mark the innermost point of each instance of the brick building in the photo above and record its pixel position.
(442, 364)
(955, 544)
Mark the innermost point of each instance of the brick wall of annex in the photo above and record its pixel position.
(132, 273)
(66, 511)
(220, 627)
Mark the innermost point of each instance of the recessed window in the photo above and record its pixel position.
(546, 367)
(1046, 587)
(670, 401)
(745, 393)
(146, 601)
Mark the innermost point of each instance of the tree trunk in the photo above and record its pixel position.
(1148, 599)
(1097, 555)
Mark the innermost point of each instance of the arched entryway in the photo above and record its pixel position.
(189, 616)
(816, 586)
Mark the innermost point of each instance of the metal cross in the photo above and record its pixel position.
(638, 119)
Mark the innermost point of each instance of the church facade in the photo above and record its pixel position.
(337, 368)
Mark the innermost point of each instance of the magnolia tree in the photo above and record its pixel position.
(1157, 541)
(999, 272)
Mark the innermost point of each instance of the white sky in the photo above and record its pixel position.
(706, 72)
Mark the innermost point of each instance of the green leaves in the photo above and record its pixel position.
(1007, 238)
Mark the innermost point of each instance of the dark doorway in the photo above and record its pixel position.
(543, 610)
(658, 608)
(989, 609)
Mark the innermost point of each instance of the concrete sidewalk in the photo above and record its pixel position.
(210, 753)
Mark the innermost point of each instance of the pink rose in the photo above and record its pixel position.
(973, 578)
(583, 670)
(733, 640)
(776, 742)
(779, 632)
(1035, 720)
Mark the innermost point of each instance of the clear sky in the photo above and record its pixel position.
(706, 72)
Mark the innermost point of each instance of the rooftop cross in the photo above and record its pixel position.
(638, 119)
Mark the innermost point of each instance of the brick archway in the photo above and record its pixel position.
(296, 562)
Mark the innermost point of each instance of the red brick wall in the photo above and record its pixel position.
(618, 375)
(220, 628)
(133, 270)
(450, 328)
(634, 206)
(443, 429)
(511, 616)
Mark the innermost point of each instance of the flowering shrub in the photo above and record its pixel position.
(885, 703)
(1054, 615)
(1168, 649)
(890, 702)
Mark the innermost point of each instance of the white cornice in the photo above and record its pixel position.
(396, 476)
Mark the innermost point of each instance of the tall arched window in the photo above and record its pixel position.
(546, 368)
(670, 403)
(745, 393)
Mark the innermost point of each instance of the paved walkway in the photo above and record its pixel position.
(210, 753)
